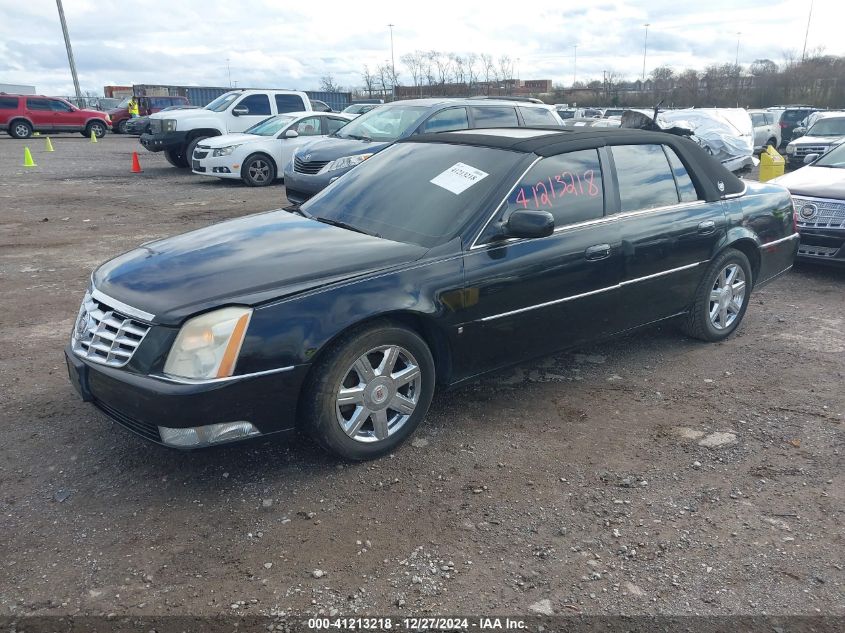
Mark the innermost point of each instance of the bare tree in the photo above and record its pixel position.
(458, 69)
(428, 66)
(413, 62)
(443, 65)
(490, 73)
(327, 84)
(472, 72)
(506, 72)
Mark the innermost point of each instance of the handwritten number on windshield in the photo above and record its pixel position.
(560, 186)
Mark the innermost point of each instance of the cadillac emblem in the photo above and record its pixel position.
(808, 211)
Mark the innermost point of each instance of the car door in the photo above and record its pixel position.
(528, 297)
(668, 231)
(65, 117)
(761, 133)
(248, 111)
(306, 129)
(40, 112)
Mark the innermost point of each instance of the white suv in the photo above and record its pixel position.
(178, 132)
(766, 129)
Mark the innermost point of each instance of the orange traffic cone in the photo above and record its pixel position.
(136, 165)
(27, 158)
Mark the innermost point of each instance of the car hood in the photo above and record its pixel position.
(246, 261)
(815, 140)
(334, 147)
(182, 115)
(819, 182)
(116, 111)
(232, 139)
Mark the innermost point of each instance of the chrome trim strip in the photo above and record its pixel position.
(737, 195)
(210, 381)
(121, 307)
(794, 236)
(591, 292)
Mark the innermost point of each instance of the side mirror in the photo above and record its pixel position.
(524, 223)
(809, 158)
(291, 134)
(240, 111)
(799, 131)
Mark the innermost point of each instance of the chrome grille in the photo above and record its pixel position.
(310, 167)
(103, 335)
(820, 213)
(155, 126)
(804, 150)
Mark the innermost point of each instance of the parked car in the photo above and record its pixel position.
(818, 194)
(766, 129)
(442, 257)
(258, 155)
(21, 115)
(613, 112)
(725, 133)
(577, 122)
(146, 106)
(178, 133)
(140, 125)
(317, 164)
(320, 106)
(790, 117)
(357, 109)
(827, 131)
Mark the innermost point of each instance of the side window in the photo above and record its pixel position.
(446, 121)
(537, 116)
(59, 106)
(257, 104)
(686, 188)
(645, 179)
(494, 116)
(37, 104)
(335, 124)
(8, 103)
(757, 120)
(569, 186)
(309, 126)
(289, 103)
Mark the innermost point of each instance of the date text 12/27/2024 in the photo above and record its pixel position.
(417, 624)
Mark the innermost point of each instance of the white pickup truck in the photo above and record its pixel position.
(177, 132)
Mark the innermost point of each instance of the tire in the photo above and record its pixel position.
(121, 127)
(175, 158)
(192, 145)
(711, 297)
(367, 427)
(258, 170)
(773, 142)
(97, 127)
(20, 129)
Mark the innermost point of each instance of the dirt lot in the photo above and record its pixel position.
(652, 474)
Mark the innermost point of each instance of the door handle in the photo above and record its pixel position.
(706, 227)
(599, 251)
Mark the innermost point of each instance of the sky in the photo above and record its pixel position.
(275, 44)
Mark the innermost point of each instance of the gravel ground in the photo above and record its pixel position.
(646, 475)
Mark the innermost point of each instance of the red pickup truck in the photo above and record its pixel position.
(146, 106)
(21, 115)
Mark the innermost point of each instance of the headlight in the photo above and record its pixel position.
(224, 151)
(790, 149)
(346, 162)
(168, 125)
(207, 346)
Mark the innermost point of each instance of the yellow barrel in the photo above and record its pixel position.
(771, 164)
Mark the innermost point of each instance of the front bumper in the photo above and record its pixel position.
(221, 167)
(163, 140)
(822, 246)
(299, 187)
(142, 404)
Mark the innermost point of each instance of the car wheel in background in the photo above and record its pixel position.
(192, 145)
(20, 129)
(369, 391)
(121, 127)
(175, 158)
(97, 127)
(721, 298)
(258, 170)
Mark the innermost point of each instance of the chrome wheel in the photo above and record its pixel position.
(727, 296)
(22, 130)
(259, 171)
(378, 394)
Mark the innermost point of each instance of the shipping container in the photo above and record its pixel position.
(202, 96)
(117, 92)
(337, 100)
(17, 89)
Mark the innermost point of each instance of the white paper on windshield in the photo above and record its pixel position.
(458, 178)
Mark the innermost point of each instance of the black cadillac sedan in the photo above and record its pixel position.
(440, 258)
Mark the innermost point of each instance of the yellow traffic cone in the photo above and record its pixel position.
(93, 137)
(27, 158)
(48, 147)
(36, 133)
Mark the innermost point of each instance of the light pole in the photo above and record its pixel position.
(807, 32)
(69, 51)
(229, 72)
(736, 59)
(392, 63)
(645, 46)
(574, 64)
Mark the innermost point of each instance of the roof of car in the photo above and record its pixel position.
(714, 177)
(435, 101)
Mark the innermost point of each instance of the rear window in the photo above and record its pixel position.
(793, 116)
(758, 119)
(8, 103)
(494, 116)
(645, 177)
(289, 103)
(38, 104)
(538, 116)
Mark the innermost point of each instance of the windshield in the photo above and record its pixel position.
(834, 158)
(393, 195)
(828, 127)
(271, 126)
(124, 103)
(222, 102)
(386, 123)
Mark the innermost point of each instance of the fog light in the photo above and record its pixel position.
(196, 436)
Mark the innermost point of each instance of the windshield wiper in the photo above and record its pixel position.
(344, 225)
(358, 138)
(294, 208)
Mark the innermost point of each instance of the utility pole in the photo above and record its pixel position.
(574, 64)
(736, 59)
(69, 50)
(392, 62)
(807, 32)
(229, 72)
(645, 46)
